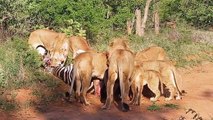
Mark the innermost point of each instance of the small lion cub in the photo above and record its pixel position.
(142, 77)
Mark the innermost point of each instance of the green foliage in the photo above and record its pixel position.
(7, 106)
(45, 78)
(172, 106)
(13, 14)
(196, 12)
(96, 16)
(169, 10)
(73, 28)
(55, 14)
(15, 60)
(2, 77)
(154, 107)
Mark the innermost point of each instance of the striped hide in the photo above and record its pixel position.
(65, 74)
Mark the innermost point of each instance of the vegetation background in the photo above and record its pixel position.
(186, 33)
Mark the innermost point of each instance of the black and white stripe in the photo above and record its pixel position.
(65, 73)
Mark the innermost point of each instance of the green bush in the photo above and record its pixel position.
(197, 13)
(7, 106)
(16, 59)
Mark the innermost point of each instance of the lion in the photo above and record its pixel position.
(78, 45)
(150, 53)
(117, 43)
(57, 44)
(121, 63)
(168, 73)
(87, 65)
(142, 77)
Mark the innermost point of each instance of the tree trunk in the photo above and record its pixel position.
(3, 27)
(138, 22)
(156, 17)
(146, 10)
(157, 22)
(130, 26)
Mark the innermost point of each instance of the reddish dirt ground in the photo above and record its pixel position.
(197, 82)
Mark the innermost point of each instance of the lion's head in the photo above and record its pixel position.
(59, 52)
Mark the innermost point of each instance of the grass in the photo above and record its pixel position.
(7, 106)
(172, 106)
(154, 107)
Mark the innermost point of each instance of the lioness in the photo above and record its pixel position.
(142, 77)
(150, 53)
(117, 43)
(86, 66)
(56, 43)
(168, 74)
(78, 45)
(121, 62)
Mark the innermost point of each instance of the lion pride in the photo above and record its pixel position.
(56, 43)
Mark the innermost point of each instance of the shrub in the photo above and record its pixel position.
(16, 59)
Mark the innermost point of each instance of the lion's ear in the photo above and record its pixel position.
(61, 36)
(111, 44)
(106, 53)
(65, 45)
(126, 44)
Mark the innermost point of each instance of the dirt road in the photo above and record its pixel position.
(197, 82)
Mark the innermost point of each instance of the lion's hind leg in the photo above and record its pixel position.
(134, 92)
(171, 90)
(85, 86)
(110, 85)
(153, 85)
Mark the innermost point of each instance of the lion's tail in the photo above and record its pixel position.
(121, 79)
(125, 107)
(74, 72)
(174, 73)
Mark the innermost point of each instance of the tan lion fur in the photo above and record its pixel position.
(78, 45)
(150, 53)
(142, 77)
(121, 64)
(169, 75)
(86, 66)
(56, 43)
